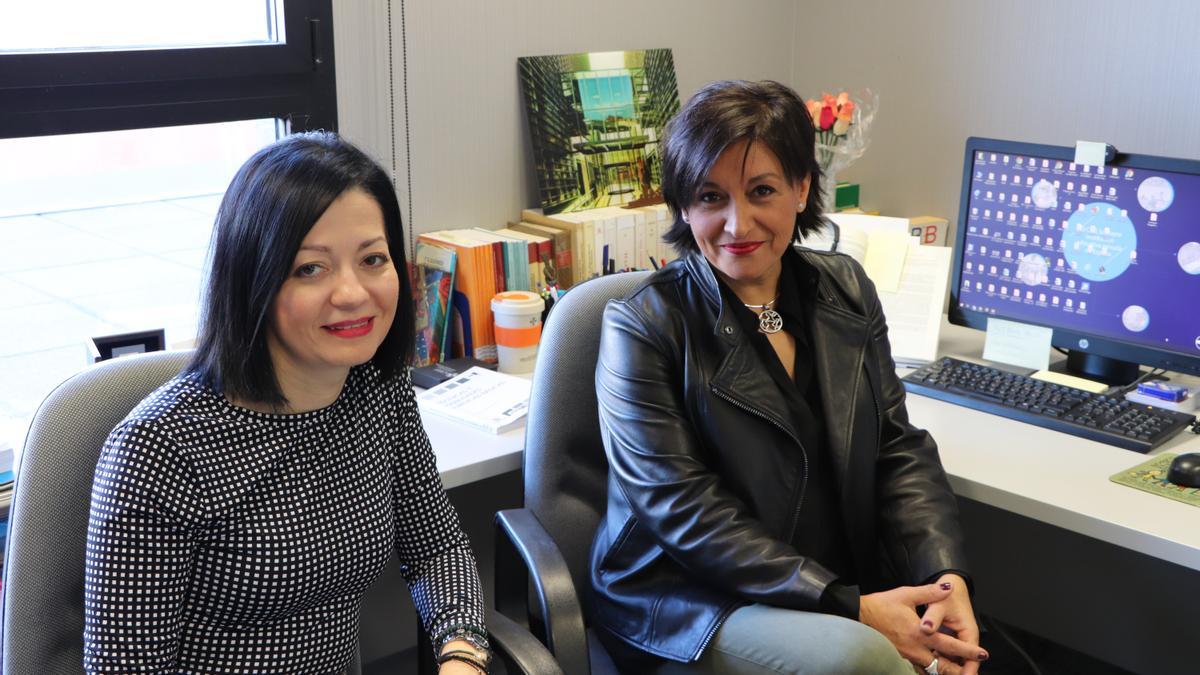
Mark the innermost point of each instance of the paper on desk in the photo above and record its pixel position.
(878, 243)
(481, 398)
(867, 223)
(820, 239)
(914, 310)
(854, 244)
(1017, 344)
(886, 254)
(1070, 381)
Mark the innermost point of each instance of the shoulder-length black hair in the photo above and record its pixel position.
(721, 114)
(272, 203)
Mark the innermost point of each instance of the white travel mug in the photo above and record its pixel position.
(518, 320)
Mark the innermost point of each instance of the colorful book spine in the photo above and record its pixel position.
(475, 280)
(560, 272)
(432, 284)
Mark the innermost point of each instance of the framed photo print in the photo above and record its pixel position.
(111, 346)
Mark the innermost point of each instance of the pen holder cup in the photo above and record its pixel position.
(518, 320)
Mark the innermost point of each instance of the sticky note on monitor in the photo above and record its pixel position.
(1090, 153)
(1017, 344)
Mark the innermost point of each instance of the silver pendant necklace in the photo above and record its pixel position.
(769, 321)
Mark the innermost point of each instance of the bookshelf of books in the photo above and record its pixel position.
(458, 271)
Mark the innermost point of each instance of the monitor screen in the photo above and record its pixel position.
(1108, 257)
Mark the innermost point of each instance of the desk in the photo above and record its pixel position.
(1059, 549)
(466, 455)
(1055, 547)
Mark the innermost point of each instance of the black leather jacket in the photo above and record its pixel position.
(707, 475)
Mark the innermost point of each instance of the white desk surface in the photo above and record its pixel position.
(1048, 476)
(1052, 477)
(465, 455)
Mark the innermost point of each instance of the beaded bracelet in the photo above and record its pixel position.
(476, 637)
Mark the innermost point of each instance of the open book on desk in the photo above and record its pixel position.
(480, 398)
(911, 279)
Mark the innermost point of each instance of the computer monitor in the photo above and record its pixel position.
(1108, 257)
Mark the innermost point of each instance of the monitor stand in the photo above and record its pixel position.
(1100, 368)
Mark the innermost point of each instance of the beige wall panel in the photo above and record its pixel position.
(469, 142)
(1127, 73)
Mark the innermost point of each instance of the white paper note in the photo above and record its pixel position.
(1090, 153)
(860, 233)
(886, 254)
(1017, 344)
(914, 310)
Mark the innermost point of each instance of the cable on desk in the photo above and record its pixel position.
(1153, 374)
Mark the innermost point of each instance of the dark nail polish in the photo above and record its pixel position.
(983, 656)
(945, 585)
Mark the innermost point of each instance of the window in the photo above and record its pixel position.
(121, 123)
(86, 25)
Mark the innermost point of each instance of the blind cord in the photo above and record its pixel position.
(392, 109)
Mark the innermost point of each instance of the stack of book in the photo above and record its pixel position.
(607, 240)
(461, 269)
(478, 275)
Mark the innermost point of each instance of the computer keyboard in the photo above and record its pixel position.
(1073, 411)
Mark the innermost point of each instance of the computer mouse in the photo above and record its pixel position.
(1185, 470)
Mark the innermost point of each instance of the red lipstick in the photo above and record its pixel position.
(352, 328)
(742, 247)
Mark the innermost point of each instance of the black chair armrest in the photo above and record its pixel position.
(517, 648)
(524, 550)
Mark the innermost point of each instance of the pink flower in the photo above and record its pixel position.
(846, 111)
(814, 110)
(827, 118)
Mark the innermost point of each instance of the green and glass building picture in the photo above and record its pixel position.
(596, 121)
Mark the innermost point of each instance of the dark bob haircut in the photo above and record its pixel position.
(272, 203)
(722, 114)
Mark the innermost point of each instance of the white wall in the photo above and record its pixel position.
(1127, 73)
(470, 145)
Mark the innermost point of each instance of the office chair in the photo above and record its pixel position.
(566, 478)
(43, 565)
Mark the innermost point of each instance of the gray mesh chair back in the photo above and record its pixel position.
(566, 472)
(43, 564)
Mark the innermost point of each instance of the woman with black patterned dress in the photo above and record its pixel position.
(240, 511)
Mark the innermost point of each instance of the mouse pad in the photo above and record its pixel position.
(1151, 476)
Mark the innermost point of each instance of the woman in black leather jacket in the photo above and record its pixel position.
(770, 508)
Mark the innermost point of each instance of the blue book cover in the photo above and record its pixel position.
(433, 281)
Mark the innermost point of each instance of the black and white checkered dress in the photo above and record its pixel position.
(227, 540)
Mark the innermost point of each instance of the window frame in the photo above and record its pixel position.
(52, 93)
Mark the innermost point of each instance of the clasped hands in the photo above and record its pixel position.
(920, 637)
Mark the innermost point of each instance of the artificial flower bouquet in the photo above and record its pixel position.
(842, 123)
